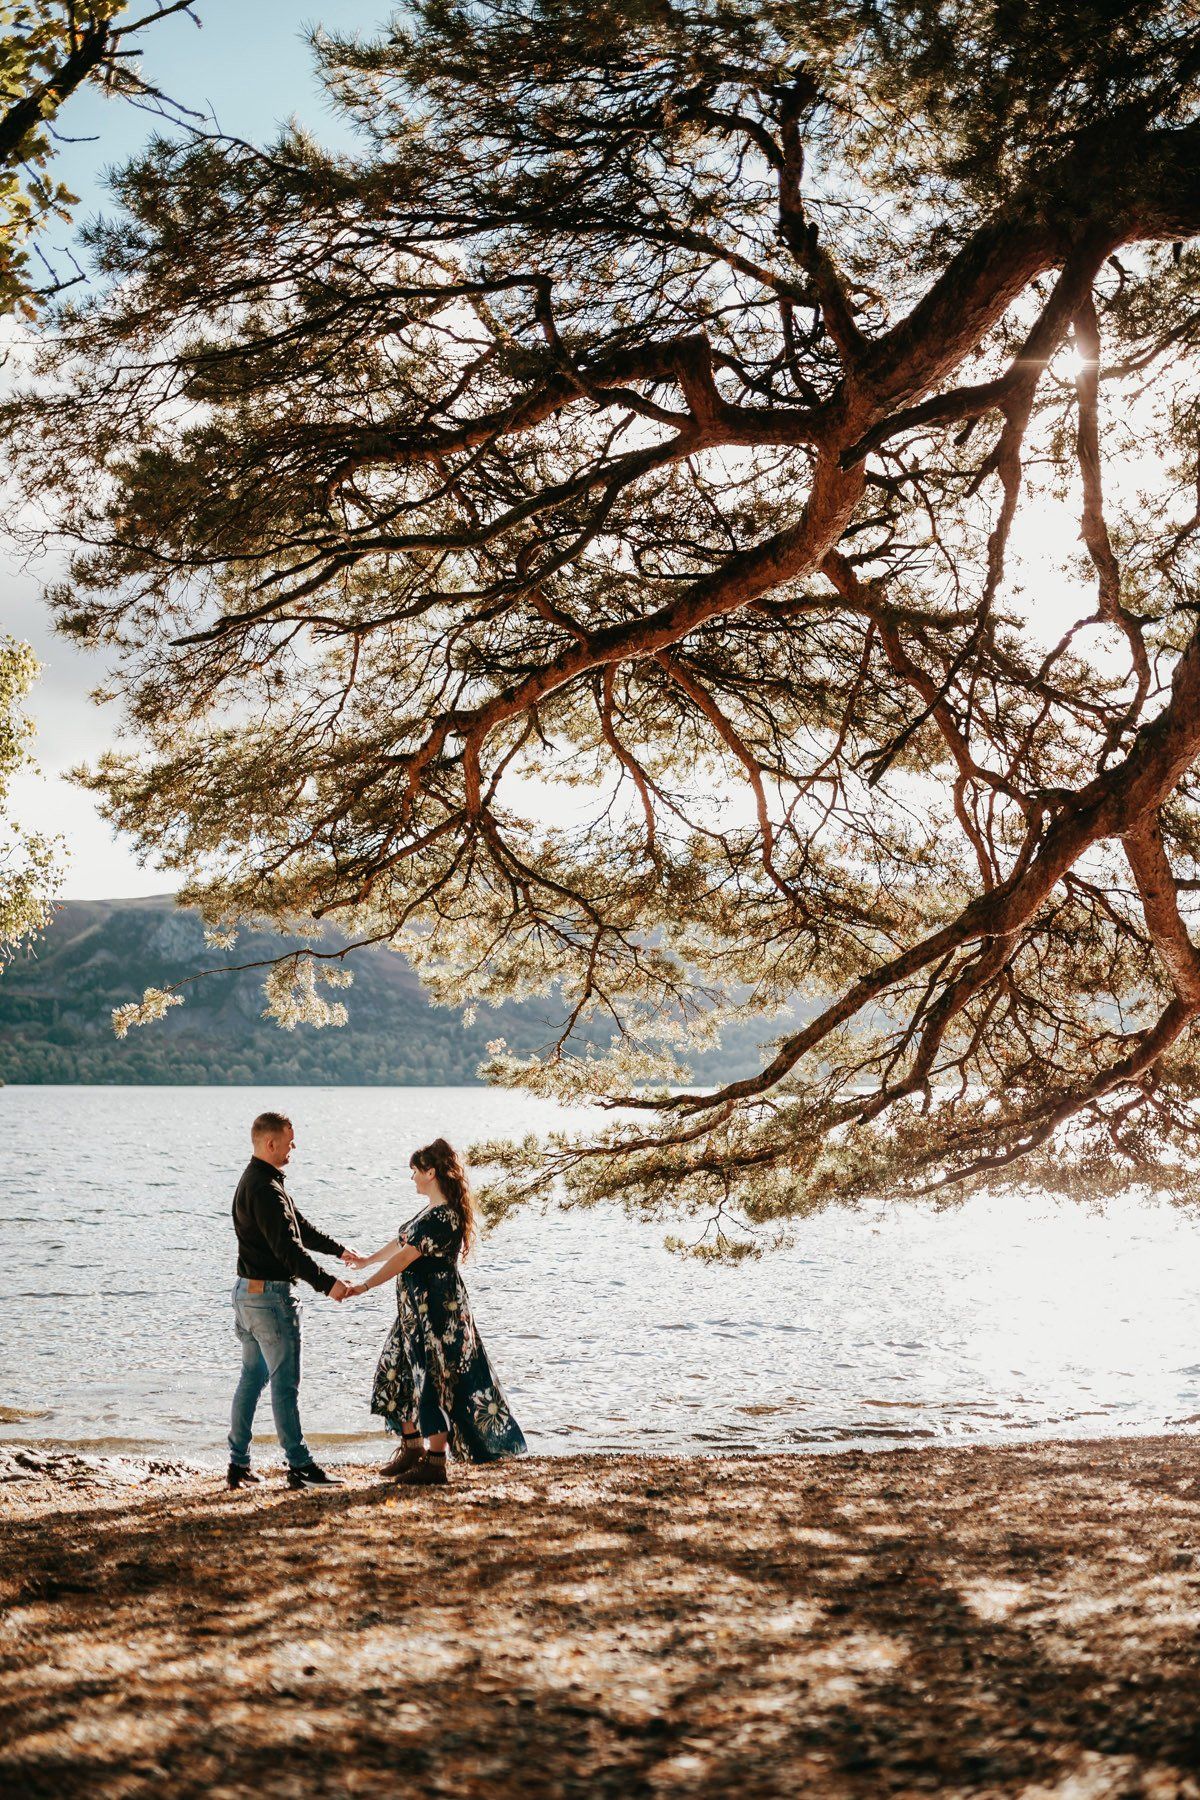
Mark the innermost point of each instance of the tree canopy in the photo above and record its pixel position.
(775, 423)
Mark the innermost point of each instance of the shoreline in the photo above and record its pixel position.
(112, 1456)
(974, 1622)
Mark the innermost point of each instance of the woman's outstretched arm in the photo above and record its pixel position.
(378, 1255)
(390, 1269)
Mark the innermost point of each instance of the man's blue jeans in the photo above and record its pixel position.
(268, 1328)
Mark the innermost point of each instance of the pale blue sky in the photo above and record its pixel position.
(248, 65)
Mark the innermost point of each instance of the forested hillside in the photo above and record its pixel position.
(56, 1001)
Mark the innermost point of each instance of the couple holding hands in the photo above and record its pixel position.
(434, 1384)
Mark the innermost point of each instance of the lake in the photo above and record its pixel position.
(898, 1325)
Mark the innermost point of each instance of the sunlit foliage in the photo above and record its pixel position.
(27, 870)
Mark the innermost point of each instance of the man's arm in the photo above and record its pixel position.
(273, 1220)
(312, 1239)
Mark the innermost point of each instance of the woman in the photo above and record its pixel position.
(434, 1380)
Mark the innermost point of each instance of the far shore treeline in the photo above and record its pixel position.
(56, 1004)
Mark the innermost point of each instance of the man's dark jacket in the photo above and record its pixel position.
(273, 1235)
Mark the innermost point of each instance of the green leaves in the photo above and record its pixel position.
(47, 49)
(28, 876)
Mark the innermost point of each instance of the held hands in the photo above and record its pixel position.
(346, 1290)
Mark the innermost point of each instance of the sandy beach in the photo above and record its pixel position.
(968, 1622)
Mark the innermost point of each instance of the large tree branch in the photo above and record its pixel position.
(1138, 191)
(741, 579)
(1156, 885)
(1109, 806)
(1040, 1122)
(1013, 391)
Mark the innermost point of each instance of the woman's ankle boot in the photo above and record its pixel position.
(430, 1471)
(407, 1456)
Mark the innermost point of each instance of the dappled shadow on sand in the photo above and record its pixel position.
(986, 1622)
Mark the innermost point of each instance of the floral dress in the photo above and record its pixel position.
(434, 1368)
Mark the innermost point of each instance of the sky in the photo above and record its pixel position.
(249, 66)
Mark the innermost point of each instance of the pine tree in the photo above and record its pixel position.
(667, 402)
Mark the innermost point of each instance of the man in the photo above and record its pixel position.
(274, 1239)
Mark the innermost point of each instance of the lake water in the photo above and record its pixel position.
(995, 1321)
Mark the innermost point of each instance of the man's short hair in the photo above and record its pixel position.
(269, 1124)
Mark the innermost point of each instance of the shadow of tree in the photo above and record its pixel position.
(961, 1622)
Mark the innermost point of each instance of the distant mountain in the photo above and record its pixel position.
(56, 1002)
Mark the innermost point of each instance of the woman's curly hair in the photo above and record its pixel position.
(444, 1161)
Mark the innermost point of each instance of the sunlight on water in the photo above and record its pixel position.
(997, 1320)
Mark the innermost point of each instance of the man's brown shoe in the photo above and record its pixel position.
(407, 1456)
(430, 1471)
